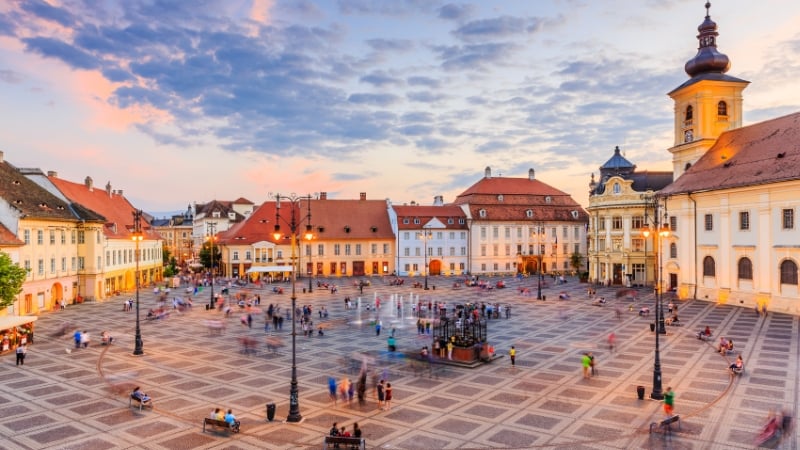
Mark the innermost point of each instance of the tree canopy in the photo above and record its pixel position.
(12, 276)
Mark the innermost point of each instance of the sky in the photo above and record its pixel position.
(176, 102)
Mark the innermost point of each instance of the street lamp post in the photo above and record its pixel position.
(212, 229)
(137, 237)
(662, 232)
(294, 223)
(425, 237)
(539, 232)
(310, 249)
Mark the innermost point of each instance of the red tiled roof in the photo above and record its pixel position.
(9, 239)
(426, 213)
(766, 152)
(242, 201)
(114, 207)
(509, 186)
(331, 220)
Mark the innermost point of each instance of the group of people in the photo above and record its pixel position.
(218, 414)
(336, 431)
(725, 346)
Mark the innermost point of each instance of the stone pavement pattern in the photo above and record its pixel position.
(65, 400)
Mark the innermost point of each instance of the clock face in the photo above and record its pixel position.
(687, 136)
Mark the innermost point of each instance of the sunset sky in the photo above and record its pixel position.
(177, 102)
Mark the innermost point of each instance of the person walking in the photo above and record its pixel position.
(21, 351)
(380, 393)
(669, 402)
(388, 401)
(612, 342)
(450, 349)
(592, 364)
(586, 363)
(77, 337)
(85, 339)
(513, 355)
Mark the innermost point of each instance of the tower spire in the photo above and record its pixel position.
(708, 59)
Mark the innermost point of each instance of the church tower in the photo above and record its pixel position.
(707, 104)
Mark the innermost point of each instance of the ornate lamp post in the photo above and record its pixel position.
(539, 233)
(294, 224)
(663, 231)
(212, 230)
(137, 237)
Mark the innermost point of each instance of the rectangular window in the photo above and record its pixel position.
(577, 248)
(417, 251)
(333, 268)
(374, 248)
(385, 249)
(452, 251)
(39, 237)
(566, 249)
(673, 224)
(406, 235)
(508, 233)
(483, 250)
(577, 233)
(406, 251)
(508, 250)
(27, 236)
(788, 219)
(336, 250)
(81, 237)
(439, 235)
(637, 222)
(415, 267)
(519, 232)
(673, 251)
(347, 249)
(463, 251)
(72, 237)
(601, 221)
(64, 237)
(248, 256)
(495, 250)
(439, 251)
(744, 220)
(709, 222)
(52, 237)
(407, 267)
(553, 233)
(637, 244)
(483, 232)
(554, 249)
(616, 223)
(73, 263)
(565, 232)
(358, 249)
(494, 267)
(343, 268)
(28, 266)
(451, 235)
(601, 245)
(321, 249)
(41, 267)
(64, 263)
(53, 264)
(235, 256)
(495, 232)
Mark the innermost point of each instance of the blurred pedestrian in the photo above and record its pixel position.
(669, 402)
(513, 355)
(21, 351)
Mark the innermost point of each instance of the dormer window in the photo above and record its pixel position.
(450, 221)
(215, 214)
(529, 213)
(499, 197)
(548, 199)
(482, 213)
(461, 221)
(406, 221)
(574, 214)
(617, 189)
(416, 221)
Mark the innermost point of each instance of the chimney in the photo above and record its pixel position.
(531, 174)
(488, 172)
(108, 189)
(1, 157)
(323, 195)
(119, 192)
(362, 196)
(88, 183)
(52, 173)
(438, 200)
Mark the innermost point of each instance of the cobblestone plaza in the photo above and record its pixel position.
(64, 398)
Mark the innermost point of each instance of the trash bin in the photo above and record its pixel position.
(639, 392)
(304, 290)
(208, 306)
(652, 327)
(271, 409)
(544, 297)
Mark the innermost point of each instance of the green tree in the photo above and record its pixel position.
(12, 277)
(205, 255)
(576, 261)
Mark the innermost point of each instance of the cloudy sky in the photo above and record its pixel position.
(180, 101)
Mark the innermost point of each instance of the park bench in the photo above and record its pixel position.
(219, 425)
(346, 442)
(137, 401)
(665, 426)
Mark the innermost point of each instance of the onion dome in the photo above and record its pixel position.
(707, 59)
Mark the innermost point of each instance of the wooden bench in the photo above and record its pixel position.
(349, 442)
(220, 425)
(665, 426)
(141, 403)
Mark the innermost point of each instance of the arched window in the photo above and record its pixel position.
(709, 268)
(673, 250)
(722, 109)
(788, 272)
(745, 269)
(689, 113)
(617, 188)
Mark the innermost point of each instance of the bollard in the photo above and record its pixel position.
(640, 392)
(271, 411)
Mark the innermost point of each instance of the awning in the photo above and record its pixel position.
(8, 322)
(263, 269)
